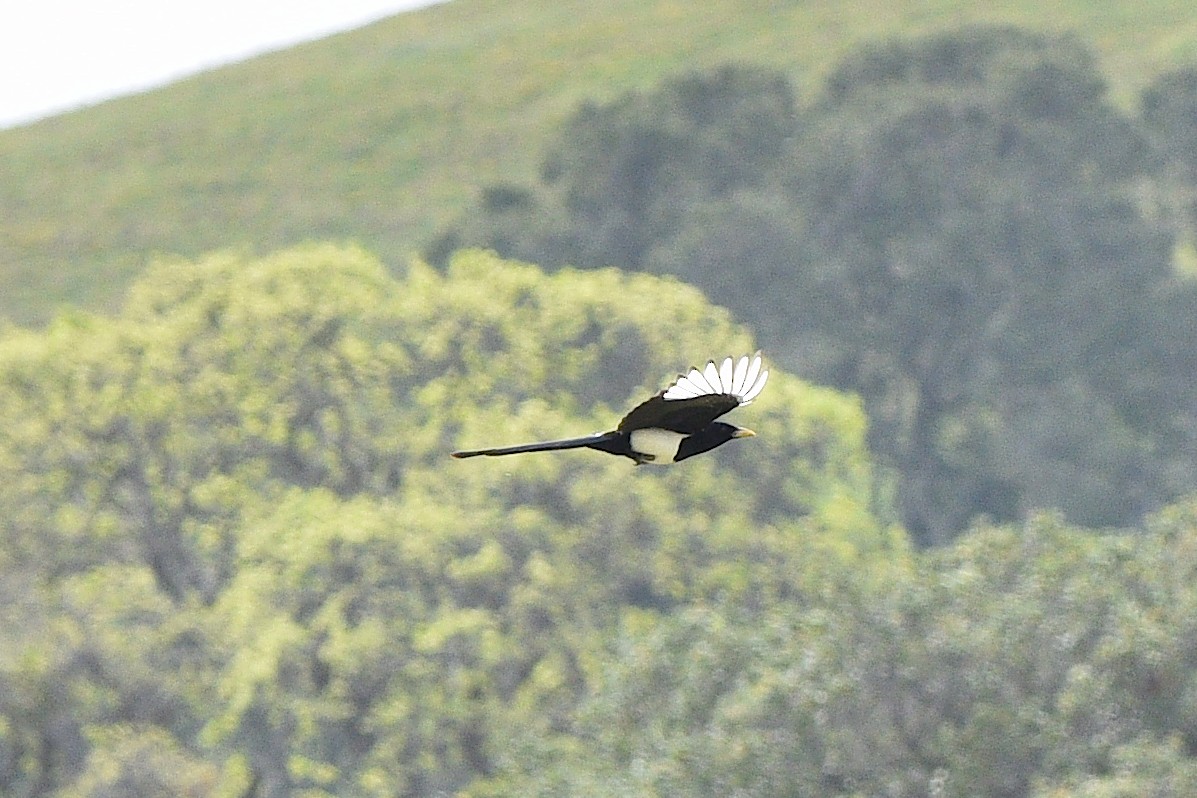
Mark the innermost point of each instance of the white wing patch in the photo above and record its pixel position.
(742, 379)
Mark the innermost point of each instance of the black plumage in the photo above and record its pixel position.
(677, 423)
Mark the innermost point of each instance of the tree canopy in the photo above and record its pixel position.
(236, 552)
(955, 228)
(235, 558)
(237, 561)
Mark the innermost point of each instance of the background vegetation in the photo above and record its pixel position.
(235, 560)
(236, 564)
(231, 538)
(385, 134)
(960, 228)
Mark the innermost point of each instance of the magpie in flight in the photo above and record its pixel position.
(677, 423)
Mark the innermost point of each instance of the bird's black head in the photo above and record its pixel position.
(714, 434)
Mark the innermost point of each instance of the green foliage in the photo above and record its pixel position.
(955, 230)
(92, 655)
(623, 177)
(1168, 105)
(143, 762)
(1167, 110)
(221, 382)
(992, 287)
(234, 559)
(1147, 767)
(351, 613)
(1042, 660)
(232, 531)
(385, 134)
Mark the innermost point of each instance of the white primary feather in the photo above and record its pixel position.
(689, 385)
(683, 390)
(693, 383)
(740, 374)
(743, 379)
(750, 379)
(711, 373)
(756, 389)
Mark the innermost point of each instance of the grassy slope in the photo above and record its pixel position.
(383, 134)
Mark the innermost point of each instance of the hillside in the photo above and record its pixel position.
(382, 134)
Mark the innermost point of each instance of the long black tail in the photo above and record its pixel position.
(599, 440)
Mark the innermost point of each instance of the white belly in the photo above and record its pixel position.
(660, 444)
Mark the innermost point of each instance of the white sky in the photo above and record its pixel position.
(59, 54)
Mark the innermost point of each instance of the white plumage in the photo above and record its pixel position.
(743, 380)
(660, 445)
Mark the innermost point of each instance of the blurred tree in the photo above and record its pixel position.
(234, 546)
(391, 648)
(1040, 660)
(989, 282)
(143, 762)
(624, 176)
(1159, 769)
(380, 620)
(97, 650)
(954, 230)
(1168, 111)
(1169, 108)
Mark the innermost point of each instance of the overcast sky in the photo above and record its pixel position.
(60, 54)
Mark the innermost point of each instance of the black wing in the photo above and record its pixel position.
(697, 398)
(687, 416)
